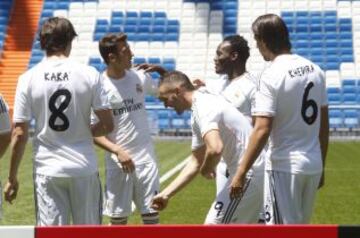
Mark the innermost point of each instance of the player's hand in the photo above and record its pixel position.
(125, 160)
(159, 202)
(198, 83)
(207, 172)
(237, 185)
(10, 190)
(148, 68)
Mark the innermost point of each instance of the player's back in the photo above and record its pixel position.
(299, 88)
(233, 126)
(61, 94)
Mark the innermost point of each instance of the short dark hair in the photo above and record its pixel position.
(56, 34)
(175, 78)
(240, 45)
(108, 44)
(272, 30)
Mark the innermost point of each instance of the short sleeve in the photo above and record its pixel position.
(150, 85)
(22, 105)
(196, 139)
(207, 116)
(324, 96)
(265, 98)
(5, 125)
(100, 98)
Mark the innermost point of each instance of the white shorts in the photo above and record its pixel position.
(244, 210)
(289, 198)
(222, 176)
(58, 198)
(123, 188)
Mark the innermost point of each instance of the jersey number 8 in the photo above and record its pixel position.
(58, 112)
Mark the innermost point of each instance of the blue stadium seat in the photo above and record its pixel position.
(349, 89)
(117, 21)
(139, 60)
(334, 90)
(145, 21)
(131, 21)
(117, 14)
(171, 37)
(159, 14)
(349, 98)
(146, 14)
(151, 100)
(163, 119)
(336, 118)
(102, 22)
(154, 60)
(348, 82)
(158, 29)
(131, 14)
(334, 98)
(351, 119)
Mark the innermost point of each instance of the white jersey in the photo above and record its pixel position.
(240, 91)
(233, 127)
(4, 117)
(127, 98)
(59, 94)
(292, 91)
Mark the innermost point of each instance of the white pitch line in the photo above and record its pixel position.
(174, 170)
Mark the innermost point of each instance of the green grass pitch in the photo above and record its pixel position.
(337, 203)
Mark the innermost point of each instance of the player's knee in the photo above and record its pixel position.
(150, 218)
(118, 220)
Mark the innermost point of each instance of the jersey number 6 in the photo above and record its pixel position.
(309, 103)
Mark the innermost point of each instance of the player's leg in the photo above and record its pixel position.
(52, 203)
(118, 196)
(283, 197)
(218, 207)
(222, 175)
(311, 188)
(86, 199)
(147, 185)
(246, 209)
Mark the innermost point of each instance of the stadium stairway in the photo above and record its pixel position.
(22, 27)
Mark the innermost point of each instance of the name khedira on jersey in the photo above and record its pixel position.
(301, 71)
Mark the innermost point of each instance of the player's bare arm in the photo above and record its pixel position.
(125, 160)
(5, 139)
(187, 174)
(18, 144)
(148, 68)
(105, 124)
(257, 141)
(214, 148)
(324, 139)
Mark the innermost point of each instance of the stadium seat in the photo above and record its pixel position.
(351, 119)
(336, 119)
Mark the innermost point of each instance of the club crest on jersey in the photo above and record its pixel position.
(139, 88)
